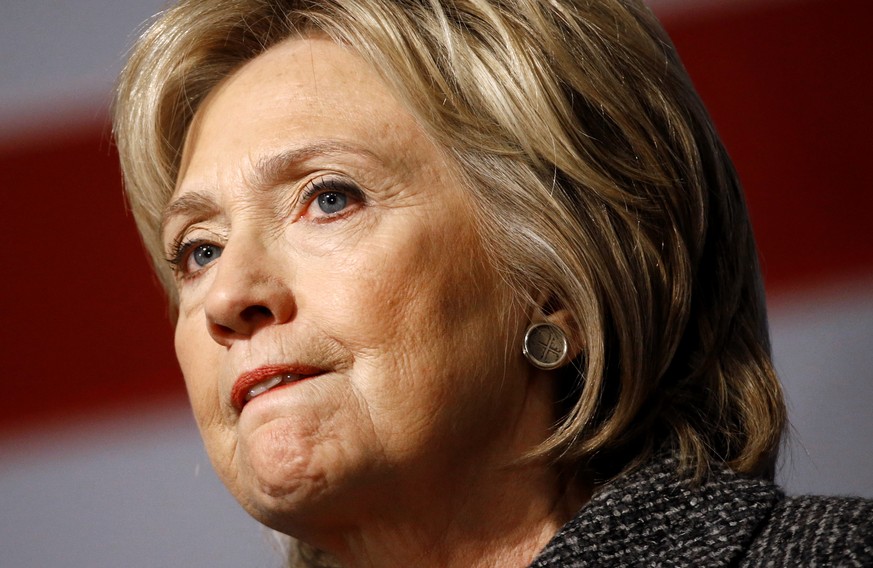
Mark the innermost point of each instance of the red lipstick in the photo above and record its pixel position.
(260, 377)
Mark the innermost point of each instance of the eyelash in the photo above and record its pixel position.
(181, 248)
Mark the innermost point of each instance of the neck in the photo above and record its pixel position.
(502, 519)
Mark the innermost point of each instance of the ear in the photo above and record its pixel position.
(549, 309)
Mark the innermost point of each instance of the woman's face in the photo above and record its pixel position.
(326, 255)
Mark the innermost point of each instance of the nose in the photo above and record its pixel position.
(250, 291)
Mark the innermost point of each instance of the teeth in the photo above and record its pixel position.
(264, 386)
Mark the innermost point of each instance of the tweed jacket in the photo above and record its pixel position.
(654, 518)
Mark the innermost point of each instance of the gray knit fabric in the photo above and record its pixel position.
(654, 518)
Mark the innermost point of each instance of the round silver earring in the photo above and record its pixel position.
(545, 346)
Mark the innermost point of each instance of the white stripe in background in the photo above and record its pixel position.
(823, 351)
(132, 490)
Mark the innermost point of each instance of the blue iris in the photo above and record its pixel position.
(332, 202)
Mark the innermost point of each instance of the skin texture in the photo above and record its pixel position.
(404, 450)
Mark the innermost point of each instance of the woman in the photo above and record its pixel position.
(464, 283)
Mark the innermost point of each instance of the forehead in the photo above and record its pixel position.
(302, 91)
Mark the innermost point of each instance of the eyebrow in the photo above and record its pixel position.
(276, 169)
(192, 204)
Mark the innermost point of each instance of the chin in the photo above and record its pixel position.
(277, 475)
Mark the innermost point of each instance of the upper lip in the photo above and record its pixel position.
(249, 379)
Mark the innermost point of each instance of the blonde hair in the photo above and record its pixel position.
(600, 181)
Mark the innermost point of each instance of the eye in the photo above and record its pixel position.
(188, 258)
(330, 198)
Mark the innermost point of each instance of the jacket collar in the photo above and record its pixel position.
(655, 517)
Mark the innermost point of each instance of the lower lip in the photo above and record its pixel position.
(279, 387)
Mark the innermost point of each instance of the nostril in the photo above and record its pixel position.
(256, 313)
(245, 323)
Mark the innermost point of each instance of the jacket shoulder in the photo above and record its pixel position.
(810, 531)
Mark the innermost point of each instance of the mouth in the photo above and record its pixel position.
(255, 383)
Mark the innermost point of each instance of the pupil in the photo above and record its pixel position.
(204, 254)
(332, 202)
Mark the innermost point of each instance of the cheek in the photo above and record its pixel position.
(193, 351)
(426, 323)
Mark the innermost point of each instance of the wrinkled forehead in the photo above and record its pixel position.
(314, 84)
